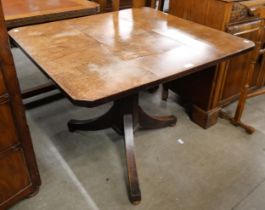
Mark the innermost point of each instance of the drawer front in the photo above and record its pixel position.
(14, 176)
(7, 126)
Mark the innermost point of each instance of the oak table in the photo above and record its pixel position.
(141, 49)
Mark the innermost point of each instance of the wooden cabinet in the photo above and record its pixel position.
(19, 176)
(222, 84)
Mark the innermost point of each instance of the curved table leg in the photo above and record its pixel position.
(150, 122)
(133, 183)
(100, 123)
(123, 117)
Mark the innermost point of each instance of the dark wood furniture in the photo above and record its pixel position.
(257, 8)
(19, 176)
(142, 49)
(221, 86)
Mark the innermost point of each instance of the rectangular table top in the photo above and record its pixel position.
(25, 12)
(103, 57)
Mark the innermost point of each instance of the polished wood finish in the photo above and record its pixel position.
(19, 176)
(225, 83)
(26, 12)
(142, 49)
(164, 44)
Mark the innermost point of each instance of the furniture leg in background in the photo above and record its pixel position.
(246, 93)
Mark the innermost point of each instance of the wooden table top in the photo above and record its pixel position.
(103, 57)
(25, 12)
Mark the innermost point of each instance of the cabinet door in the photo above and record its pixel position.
(236, 72)
(19, 176)
(18, 172)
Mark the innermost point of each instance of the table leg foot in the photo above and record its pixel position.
(133, 183)
(151, 122)
(248, 128)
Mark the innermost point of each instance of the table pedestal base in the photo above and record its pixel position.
(124, 117)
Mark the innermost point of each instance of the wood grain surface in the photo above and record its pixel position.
(103, 57)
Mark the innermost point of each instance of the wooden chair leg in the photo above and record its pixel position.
(133, 182)
(241, 104)
(248, 129)
(244, 94)
(236, 120)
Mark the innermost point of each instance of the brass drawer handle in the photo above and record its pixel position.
(4, 98)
